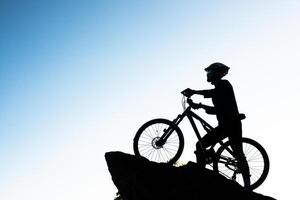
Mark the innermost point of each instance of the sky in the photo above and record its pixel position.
(78, 78)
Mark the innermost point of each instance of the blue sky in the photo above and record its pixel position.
(77, 79)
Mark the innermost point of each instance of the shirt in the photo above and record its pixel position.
(225, 106)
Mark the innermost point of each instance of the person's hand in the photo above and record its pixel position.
(188, 92)
(194, 105)
(190, 102)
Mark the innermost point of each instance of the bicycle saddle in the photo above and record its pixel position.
(242, 116)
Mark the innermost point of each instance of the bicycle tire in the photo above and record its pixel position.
(147, 134)
(255, 155)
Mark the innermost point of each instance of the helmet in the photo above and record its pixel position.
(218, 68)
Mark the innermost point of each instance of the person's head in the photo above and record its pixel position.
(215, 72)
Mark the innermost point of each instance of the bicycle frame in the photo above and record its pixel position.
(165, 147)
(191, 116)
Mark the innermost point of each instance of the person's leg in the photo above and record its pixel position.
(242, 163)
(208, 140)
(212, 137)
(235, 139)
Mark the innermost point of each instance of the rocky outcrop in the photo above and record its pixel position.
(139, 179)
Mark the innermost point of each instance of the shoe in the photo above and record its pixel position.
(247, 182)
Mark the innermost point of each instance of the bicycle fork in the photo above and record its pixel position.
(168, 132)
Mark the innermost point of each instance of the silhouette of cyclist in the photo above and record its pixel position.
(226, 110)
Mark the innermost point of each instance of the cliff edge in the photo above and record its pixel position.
(139, 179)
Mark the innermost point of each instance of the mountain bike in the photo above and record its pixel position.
(161, 140)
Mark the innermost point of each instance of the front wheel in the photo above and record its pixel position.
(257, 159)
(146, 143)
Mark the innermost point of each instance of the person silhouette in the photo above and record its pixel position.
(226, 110)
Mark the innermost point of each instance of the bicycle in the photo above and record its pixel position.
(161, 140)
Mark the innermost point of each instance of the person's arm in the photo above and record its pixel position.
(208, 109)
(205, 93)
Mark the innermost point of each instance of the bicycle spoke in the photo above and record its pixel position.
(144, 141)
(147, 134)
(145, 147)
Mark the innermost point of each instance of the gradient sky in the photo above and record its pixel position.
(78, 78)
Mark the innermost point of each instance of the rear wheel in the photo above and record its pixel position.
(145, 141)
(257, 159)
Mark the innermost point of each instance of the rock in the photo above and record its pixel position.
(139, 179)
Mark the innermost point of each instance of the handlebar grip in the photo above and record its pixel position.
(185, 93)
